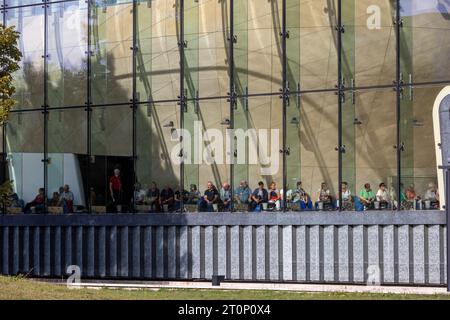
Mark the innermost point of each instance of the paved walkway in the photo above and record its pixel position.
(261, 286)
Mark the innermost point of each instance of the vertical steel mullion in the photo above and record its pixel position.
(45, 106)
(233, 101)
(134, 102)
(4, 163)
(285, 98)
(340, 93)
(398, 88)
(181, 97)
(88, 105)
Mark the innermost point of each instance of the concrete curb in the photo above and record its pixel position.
(262, 286)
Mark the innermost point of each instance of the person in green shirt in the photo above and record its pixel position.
(366, 196)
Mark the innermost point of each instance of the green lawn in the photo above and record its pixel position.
(20, 288)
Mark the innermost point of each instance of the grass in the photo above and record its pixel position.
(18, 288)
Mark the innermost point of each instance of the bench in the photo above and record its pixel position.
(143, 208)
(55, 210)
(98, 209)
(14, 210)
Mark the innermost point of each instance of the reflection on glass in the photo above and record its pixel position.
(67, 147)
(25, 147)
(213, 48)
(318, 130)
(264, 46)
(111, 143)
(424, 35)
(368, 42)
(375, 138)
(111, 61)
(157, 157)
(162, 65)
(67, 45)
(318, 44)
(418, 160)
(29, 79)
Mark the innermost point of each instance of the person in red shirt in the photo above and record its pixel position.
(38, 202)
(115, 189)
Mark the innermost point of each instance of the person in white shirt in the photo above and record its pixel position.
(346, 195)
(382, 194)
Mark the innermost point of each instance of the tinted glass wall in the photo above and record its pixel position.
(182, 92)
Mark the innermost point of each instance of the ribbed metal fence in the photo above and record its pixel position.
(401, 248)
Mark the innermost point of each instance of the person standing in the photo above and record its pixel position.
(116, 190)
(67, 199)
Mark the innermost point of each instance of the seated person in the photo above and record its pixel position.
(274, 196)
(410, 193)
(382, 195)
(167, 198)
(366, 196)
(300, 197)
(194, 195)
(324, 196)
(178, 197)
(55, 200)
(152, 197)
(38, 202)
(225, 196)
(346, 196)
(138, 195)
(258, 197)
(210, 197)
(432, 195)
(242, 193)
(15, 202)
(67, 199)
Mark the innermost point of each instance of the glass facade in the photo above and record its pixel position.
(175, 94)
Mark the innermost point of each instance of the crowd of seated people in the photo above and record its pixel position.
(62, 198)
(272, 199)
(246, 199)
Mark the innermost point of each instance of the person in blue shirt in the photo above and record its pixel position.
(242, 193)
(259, 196)
(211, 196)
(225, 196)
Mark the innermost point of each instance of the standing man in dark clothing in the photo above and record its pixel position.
(116, 190)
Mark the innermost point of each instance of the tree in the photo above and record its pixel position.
(10, 57)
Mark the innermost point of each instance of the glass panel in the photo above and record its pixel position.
(67, 45)
(318, 43)
(25, 147)
(67, 147)
(425, 40)
(14, 3)
(257, 150)
(418, 159)
(368, 42)
(29, 79)
(316, 133)
(213, 48)
(205, 150)
(157, 156)
(144, 53)
(264, 46)
(111, 36)
(165, 55)
(375, 155)
(111, 140)
(240, 112)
